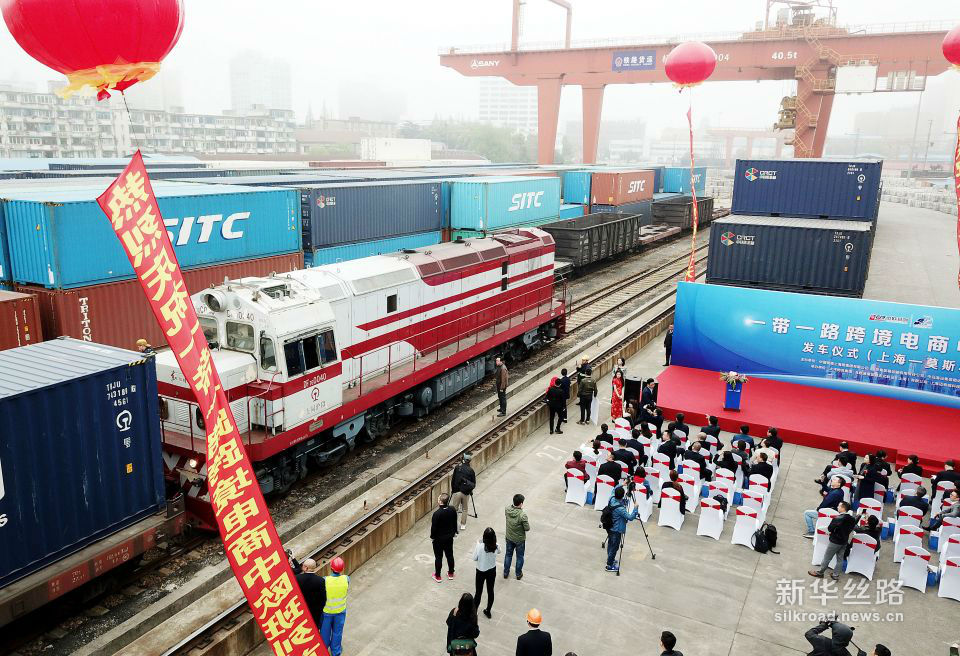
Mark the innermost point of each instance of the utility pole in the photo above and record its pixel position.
(913, 142)
(926, 150)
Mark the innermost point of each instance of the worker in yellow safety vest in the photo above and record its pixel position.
(335, 610)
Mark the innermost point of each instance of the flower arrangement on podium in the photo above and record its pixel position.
(733, 383)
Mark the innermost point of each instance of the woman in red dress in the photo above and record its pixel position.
(616, 397)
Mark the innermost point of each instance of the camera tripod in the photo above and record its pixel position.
(623, 539)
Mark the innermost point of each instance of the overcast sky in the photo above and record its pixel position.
(395, 44)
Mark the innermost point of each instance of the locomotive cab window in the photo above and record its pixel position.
(310, 353)
(328, 347)
(211, 332)
(391, 303)
(503, 268)
(240, 336)
(294, 358)
(268, 354)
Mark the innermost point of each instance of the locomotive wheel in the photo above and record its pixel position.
(375, 427)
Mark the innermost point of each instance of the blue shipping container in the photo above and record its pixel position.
(814, 188)
(570, 211)
(335, 214)
(657, 177)
(80, 456)
(498, 202)
(62, 239)
(677, 179)
(576, 186)
(346, 252)
(641, 208)
(290, 180)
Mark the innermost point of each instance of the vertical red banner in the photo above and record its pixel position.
(956, 184)
(691, 275)
(249, 536)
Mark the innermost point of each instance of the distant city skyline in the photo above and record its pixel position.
(258, 80)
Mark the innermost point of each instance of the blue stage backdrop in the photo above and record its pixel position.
(908, 352)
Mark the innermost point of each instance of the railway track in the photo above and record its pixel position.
(386, 521)
(598, 303)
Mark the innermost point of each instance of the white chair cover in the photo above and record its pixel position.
(624, 469)
(949, 528)
(622, 422)
(691, 487)
(746, 525)
(670, 514)
(754, 498)
(645, 443)
(824, 516)
(713, 444)
(908, 515)
(949, 548)
(662, 464)
(907, 537)
(653, 478)
(576, 487)
(847, 487)
(913, 568)
(872, 507)
(605, 486)
(636, 454)
(739, 472)
(644, 505)
(879, 493)
(692, 467)
(863, 555)
(943, 490)
(725, 475)
(950, 579)
(820, 540)
(621, 433)
(711, 519)
(721, 487)
(911, 480)
(591, 471)
(759, 482)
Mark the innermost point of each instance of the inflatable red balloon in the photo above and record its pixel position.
(951, 46)
(104, 44)
(690, 63)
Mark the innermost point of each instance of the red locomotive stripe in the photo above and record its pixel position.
(385, 321)
(404, 333)
(482, 267)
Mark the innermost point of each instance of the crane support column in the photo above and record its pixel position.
(548, 113)
(592, 109)
(823, 122)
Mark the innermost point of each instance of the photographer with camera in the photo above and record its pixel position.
(614, 520)
(836, 645)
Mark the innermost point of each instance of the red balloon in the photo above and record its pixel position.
(690, 63)
(951, 46)
(105, 44)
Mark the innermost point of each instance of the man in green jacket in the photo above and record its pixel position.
(586, 391)
(517, 527)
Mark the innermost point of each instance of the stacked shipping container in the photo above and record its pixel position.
(676, 179)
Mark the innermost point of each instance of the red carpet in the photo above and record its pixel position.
(817, 417)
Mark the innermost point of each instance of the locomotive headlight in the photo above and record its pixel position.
(192, 463)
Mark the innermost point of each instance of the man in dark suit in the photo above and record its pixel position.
(534, 642)
(713, 428)
(313, 587)
(919, 501)
(762, 467)
(678, 425)
(605, 435)
(693, 453)
(610, 468)
(647, 396)
(668, 345)
(670, 448)
(848, 456)
(624, 456)
(634, 443)
(948, 474)
(773, 439)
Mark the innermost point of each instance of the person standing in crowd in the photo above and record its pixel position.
(586, 391)
(621, 365)
(951, 508)
(462, 624)
(616, 395)
(335, 609)
(647, 396)
(314, 589)
(443, 528)
(518, 525)
(534, 642)
(668, 345)
(485, 554)
(502, 379)
(830, 499)
(615, 534)
(565, 386)
(847, 456)
(839, 529)
(556, 404)
(667, 643)
(462, 483)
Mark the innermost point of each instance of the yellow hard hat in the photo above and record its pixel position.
(142, 342)
(534, 617)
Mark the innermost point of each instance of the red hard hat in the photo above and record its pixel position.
(337, 565)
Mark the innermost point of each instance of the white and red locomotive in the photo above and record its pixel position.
(314, 360)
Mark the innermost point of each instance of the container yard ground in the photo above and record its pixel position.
(914, 257)
(716, 597)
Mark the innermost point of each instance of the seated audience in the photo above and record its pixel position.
(605, 435)
(762, 467)
(919, 500)
(831, 499)
(678, 425)
(773, 439)
(744, 436)
(693, 453)
(673, 482)
(951, 508)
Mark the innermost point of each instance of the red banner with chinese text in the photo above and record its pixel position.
(691, 275)
(249, 536)
(956, 184)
